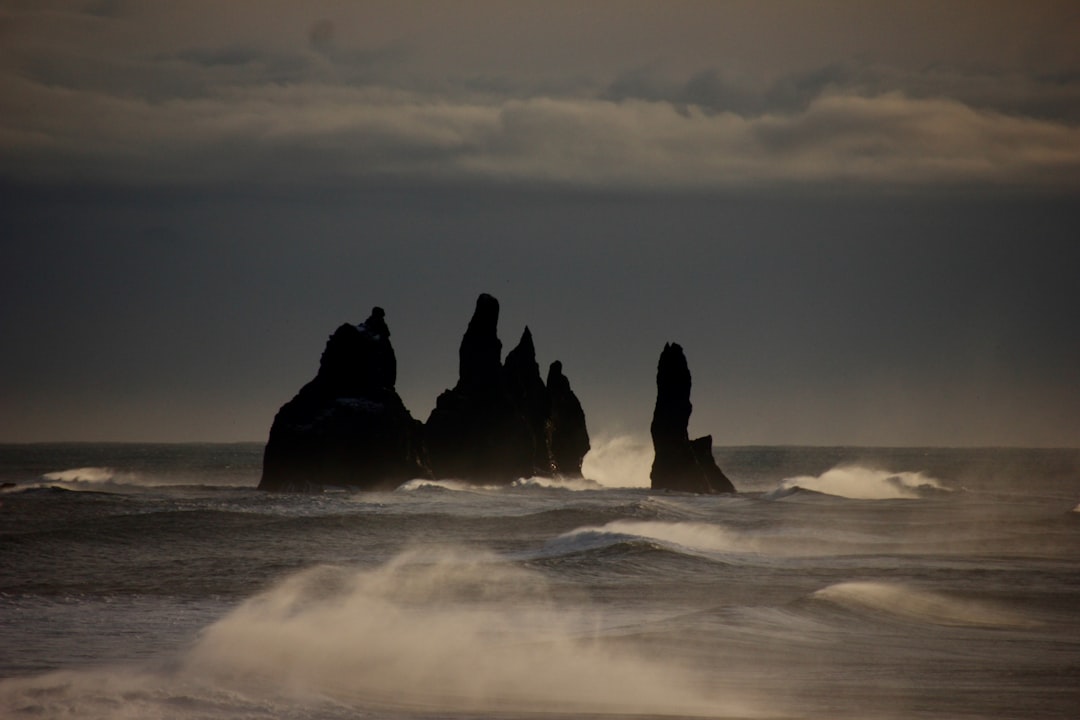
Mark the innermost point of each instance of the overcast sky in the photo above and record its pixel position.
(861, 220)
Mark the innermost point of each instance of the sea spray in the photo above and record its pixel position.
(619, 461)
(713, 541)
(454, 630)
(863, 483)
(915, 604)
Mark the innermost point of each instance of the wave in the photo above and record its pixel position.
(425, 633)
(451, 631)
(914, 604)
(684, 537)
(450, 485)
(547, 483)
(84, 474)
(699, 540)
(558, 483)
(719, 543)
(94, 478)
(863, 483)
(619, 461)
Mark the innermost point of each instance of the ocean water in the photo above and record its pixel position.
(154, 581)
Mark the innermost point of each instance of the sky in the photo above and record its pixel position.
(860, 220)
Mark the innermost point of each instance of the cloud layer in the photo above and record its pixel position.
(117, 100)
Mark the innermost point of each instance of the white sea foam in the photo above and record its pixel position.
(920, 605)
(619, 461)
(453, 485)
(86, 474)
(863, 483)
(450, 632)
(559, 483)
(98, 478)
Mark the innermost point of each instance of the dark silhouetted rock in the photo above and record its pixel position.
(567, 436)
(529, 397)
(348, 427)
(495, 425)
(500, 422)
(679, 463)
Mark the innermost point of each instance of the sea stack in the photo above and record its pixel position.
(680, 464)
(567, 436)
(500, 422)
(347, 427)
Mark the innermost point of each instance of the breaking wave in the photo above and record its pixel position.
(447, 632)
(558, 483)
(451, 485)
(620, 461)
(863, 483)
(914, 604)
(92, 475)
(110, 479)
(683, 537)
(97, 479)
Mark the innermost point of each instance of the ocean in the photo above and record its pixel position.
(155, 581)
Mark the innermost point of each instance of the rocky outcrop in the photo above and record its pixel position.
(347, 427)
(680, 464)
(500, 422)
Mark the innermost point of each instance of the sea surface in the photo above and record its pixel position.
(155, 581)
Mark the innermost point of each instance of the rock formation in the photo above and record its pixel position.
(680, 464)
(347, 427)
(567, 436)
(500, 422)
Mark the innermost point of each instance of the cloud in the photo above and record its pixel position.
(1053, 97)
(156, 96)
(296, 134)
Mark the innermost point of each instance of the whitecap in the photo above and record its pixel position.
(863, 483)
(916, 604)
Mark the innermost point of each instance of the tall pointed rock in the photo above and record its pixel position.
(567, 436)
(475, 432)
(529, 396)
(500, 422)
(680, 464)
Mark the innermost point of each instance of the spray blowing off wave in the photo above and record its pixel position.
(86, 474)
(918, 605)
(449, 632)
(714, 542)
(556, 483)
(621, 461)
(97, 478)
(862, 483)
(688, 537)
(109, 479)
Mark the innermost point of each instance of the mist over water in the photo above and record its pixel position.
(151, 581)
(454, 630)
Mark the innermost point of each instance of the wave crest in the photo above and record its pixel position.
(452, 630)
(863, 483)
(919, 605)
